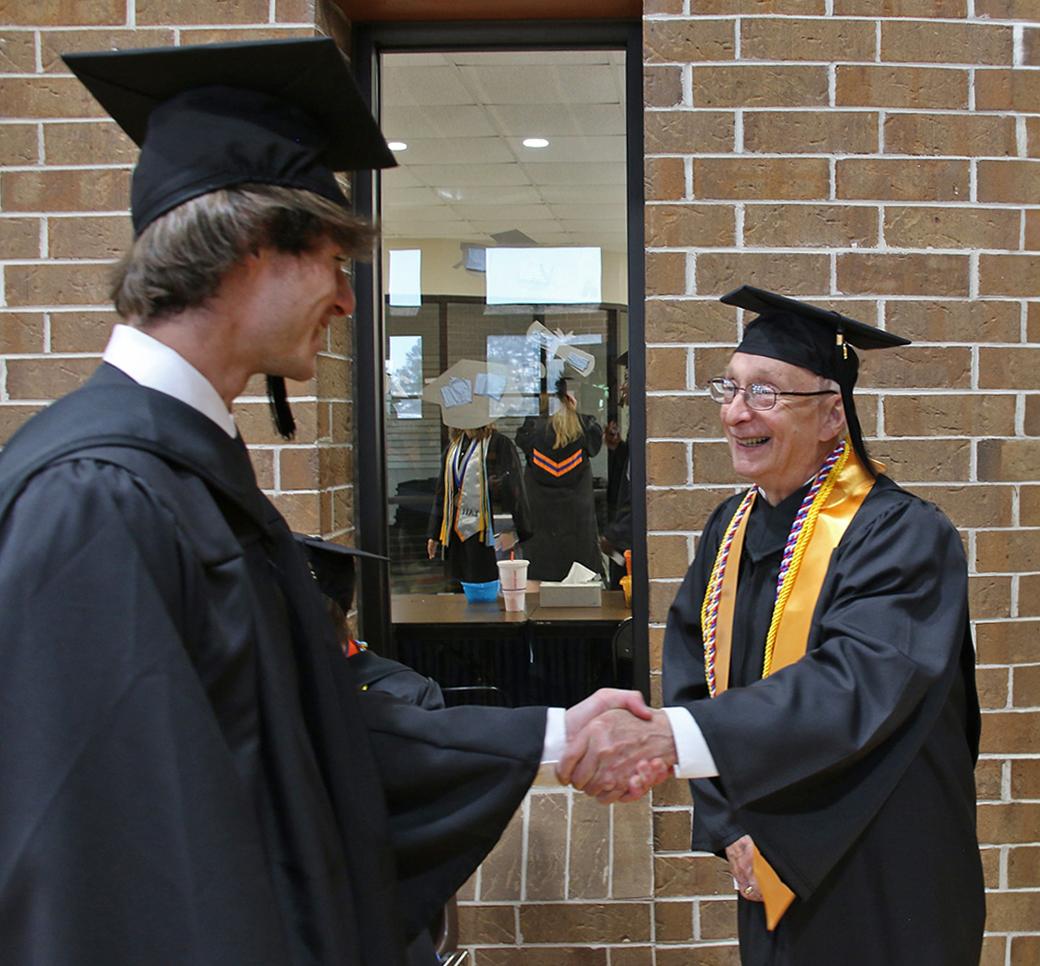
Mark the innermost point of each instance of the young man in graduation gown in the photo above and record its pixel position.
(187, 772)
(819, 675)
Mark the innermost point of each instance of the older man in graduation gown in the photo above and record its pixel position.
(819, 674)
(188, 774)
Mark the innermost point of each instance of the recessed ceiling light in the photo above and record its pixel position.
(397, 145)
(535, 143)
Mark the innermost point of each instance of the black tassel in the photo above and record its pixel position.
(280, 411)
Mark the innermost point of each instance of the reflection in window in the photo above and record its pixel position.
(544, 276)
(404, 376)
(405, 282)
(521, 356)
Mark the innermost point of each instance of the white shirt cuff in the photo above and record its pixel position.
(555, 736)
(694, 758)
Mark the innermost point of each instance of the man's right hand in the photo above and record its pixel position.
(741, 856)
(431, 548)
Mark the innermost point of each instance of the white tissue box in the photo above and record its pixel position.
(553, 593)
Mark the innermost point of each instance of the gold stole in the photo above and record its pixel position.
(850, 490)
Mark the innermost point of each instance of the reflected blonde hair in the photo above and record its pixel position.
(566, 423)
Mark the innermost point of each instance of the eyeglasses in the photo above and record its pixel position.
(758, 395)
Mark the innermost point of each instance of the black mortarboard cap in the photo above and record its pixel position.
(282, 112)
(812, 338)
(332, 565)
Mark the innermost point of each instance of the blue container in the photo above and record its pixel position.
(488, 590)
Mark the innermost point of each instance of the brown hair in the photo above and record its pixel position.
(180, 259)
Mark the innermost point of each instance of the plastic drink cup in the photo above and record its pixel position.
(514, 599)
(513, 575)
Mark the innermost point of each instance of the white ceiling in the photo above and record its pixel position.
(466, 175)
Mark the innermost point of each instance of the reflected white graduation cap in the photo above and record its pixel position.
(471, 394)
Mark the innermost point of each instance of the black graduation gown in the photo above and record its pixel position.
(187, 773)
(852, 770)
(473, 559)
(563, 505)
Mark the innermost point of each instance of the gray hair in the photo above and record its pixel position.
(179, 260)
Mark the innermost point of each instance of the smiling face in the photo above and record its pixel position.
(780, 448)
(293, 300)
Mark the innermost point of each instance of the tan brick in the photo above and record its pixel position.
(682, 416)
(332, 380)
(161, 12)
(653, 7)
(1007, 551)
(665, 273)
(1033, 322)
(20, 237)
(684, 509)
(989, 780)
(949, 43)
(714, 955)
(667, 556)
(21, 332)
(719, 919)
(994, 951)
(667, 464)
(1031, 46)
(54, 43)
(809, 226)
(547, 848)
(298, 468)
(990, 868)
(761, 178)
(1008, 368)
(949, 415)
(56, 284)
(1032, 239)
(680, 132)
(589, 851)
(924, 460)
(760, 86)
(532, 956)
(662, 86)
(1031, 424)
(792, 39)
(1006, 823)
(45, 13)
(95, 142)
(263, 467)
(986, 320)
(500, 874)
(1014, 182)
(230, 35)
(1025, 778)
(106, 237)
(1029, 595)
(957, 134)
(992, 684)
(672, 831)
(1011, 911)
(677, 226)
(17, 52)
(989, 596)
(1033, 137)
(712, 464)
(686, 41)
(673, 921)
(1007, 9)
(690, 320)
(80, 331)
(970, 505)
(794, 8)
(898, 179)
(795, 275)
(1007, 642)
(486, 924)
(664, 179)
(811, 132)
(1025, 950)
(951, 227)
(666, 368)
(19, 144)
(12, 418)
(104, 190)
(941, 9)
(633, 864)
(889, 274)
(302, 511)
(47, 377)
(585, 922)
(860, 85)
(1026, 693)
(40, 97)
(691, 875)
(1007, 90)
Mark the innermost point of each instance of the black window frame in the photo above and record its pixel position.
(370, 41)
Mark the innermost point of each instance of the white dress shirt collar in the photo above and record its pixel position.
(151, 363)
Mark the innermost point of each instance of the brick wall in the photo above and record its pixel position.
(880, 156)
(64, 190)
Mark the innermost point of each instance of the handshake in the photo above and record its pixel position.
(617, 747)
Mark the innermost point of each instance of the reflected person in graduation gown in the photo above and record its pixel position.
(559, 450)
(480, 478)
